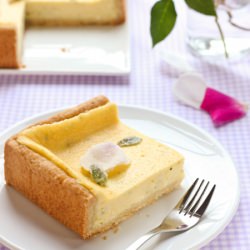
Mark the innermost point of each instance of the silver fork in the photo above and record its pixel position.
(184, 216)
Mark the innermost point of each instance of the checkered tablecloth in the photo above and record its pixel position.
(148, 85)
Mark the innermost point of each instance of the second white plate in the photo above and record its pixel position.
(93, 50)
(24, 226)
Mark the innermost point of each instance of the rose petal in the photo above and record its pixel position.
(190, 89)
(104, 155)
(222, 108)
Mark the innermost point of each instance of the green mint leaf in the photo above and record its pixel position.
(163, 17)
(99, 176)
(205, 7)
(129, 141)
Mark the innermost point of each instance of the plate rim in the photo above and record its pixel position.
(235, 206)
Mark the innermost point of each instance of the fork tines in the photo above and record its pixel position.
(189, 203)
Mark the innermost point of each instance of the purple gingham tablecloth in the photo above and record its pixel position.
(149, 85)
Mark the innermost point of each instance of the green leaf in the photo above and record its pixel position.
(129, 141)
(206, 7)
(163, 17)
(98, 175)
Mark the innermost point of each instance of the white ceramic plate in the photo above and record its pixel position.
(25, 226)
(84, 51)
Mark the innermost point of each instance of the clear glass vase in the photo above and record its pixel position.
(203, 36)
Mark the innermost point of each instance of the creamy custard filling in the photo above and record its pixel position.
(76, 11)
(153, 167)
(137, 196)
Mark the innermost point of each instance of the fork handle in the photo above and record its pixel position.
(144, 238)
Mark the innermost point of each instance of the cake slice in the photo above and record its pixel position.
(44, 163)
(11, 33)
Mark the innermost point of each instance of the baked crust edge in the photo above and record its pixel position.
(41, 181)
(8, 49)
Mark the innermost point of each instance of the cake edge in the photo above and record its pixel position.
(23, 167)
(8, 43)
(49, 187)
(66, 23)
(90, 104)
(137, 208)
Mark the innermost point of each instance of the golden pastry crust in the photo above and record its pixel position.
(69, 113)
(56, 21)
(8, 49)
(47, 185)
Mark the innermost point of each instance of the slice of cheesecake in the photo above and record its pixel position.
(44, 163)
(74, 13)
(11, 33)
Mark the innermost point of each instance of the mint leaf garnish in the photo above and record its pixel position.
(99, 176)
(129, 141)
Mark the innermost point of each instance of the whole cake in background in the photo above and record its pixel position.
(15, 15)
